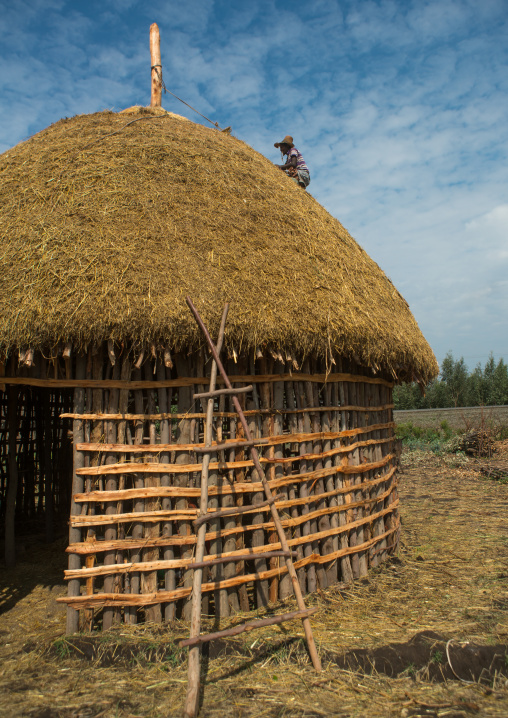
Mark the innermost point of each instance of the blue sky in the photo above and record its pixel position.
(400, 109)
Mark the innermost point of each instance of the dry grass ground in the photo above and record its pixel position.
(443, 600)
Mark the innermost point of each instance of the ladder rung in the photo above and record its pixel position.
(235, 510)
(229, 445)
(223, 392)
(242, 557)
(272, 621)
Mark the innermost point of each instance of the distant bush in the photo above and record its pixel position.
(501, 433)
(446, 429)
(442, 439)
(417, 437)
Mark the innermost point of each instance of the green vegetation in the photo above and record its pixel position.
(62, 648)
(417, 437)
(456, 386)
(437, 657)
(454, 445)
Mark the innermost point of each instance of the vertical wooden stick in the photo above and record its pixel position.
(123, 406)
(48, 467)
(77, 487)
(357, 391)
(240, 596)
(164, 396)
(285, 587)
(184, 436)
(149, 581)
(229, 522)
(139, 504)
(330, 544)
(323, 523)
(155, 56)
(258, 535)
(304, 467)
(111, 616)
(12, 485)
(295, 448)
(191, 703)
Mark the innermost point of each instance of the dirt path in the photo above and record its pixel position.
(384, 641)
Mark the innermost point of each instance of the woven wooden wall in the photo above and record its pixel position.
(137, 478)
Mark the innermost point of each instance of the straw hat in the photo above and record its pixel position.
(288, 140)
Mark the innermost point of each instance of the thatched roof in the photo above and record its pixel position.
(109, 220)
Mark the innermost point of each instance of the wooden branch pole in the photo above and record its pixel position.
(156, 66)
(12, 486)
(191, 701)
(275, 516)
(270, 621)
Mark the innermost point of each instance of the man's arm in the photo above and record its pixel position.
(291, 163)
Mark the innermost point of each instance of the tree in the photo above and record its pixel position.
(455, 386)
(496, 382)
(455, 375)
(476, 388)
(437, 395)
(407, 396)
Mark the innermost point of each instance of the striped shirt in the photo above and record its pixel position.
(300, 162)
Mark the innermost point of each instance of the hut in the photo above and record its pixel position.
(108, 222)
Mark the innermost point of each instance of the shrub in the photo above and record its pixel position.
(429, 439)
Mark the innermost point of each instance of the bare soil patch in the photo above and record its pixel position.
(425, 634)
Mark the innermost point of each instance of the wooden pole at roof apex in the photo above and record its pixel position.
(155, 56)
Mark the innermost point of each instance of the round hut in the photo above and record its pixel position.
(108, 222)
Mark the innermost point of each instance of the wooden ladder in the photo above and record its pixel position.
(195, 640)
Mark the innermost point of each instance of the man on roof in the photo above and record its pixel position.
(295, 165)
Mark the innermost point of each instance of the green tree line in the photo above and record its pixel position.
(457, 386)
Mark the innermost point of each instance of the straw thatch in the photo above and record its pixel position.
(109, 220)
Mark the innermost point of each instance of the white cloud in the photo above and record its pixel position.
(494, 222)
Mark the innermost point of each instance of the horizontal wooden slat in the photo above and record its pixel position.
(223, 392)
(190, 514)
(267, 442)
(148, 599)
(222, 414)
(234, 511)
(184, 563)
(133, 467)
(242, 557)
(214, 448)
(90, 547)
(149, 566)
(238, 488)
(159, 448)
(191, 381)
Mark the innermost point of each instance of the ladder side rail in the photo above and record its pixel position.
(275, 515)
